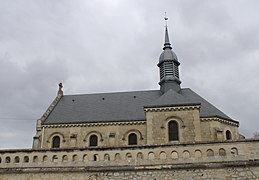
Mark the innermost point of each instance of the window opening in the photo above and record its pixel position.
(93, 141)
(133, 139)
(173, 131)
(56, 142)
(228, 135)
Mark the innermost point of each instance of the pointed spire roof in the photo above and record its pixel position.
(168, 66)
(168, 53)
(167, 42)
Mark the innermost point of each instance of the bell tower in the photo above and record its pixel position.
(168, 66)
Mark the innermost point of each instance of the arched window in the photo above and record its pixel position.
(56, 142)
(228, 135)
(93, 140)
(132, 139)
(173, 131)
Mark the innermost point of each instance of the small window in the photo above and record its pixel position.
(35, 159)
(96, 157)
(133, 140)
(56, 142)
(55, 158)
(7, 159)
(228, 135)
(222, 152)
(173, 131)
(93, 141)
(26, 159)
(16, 159)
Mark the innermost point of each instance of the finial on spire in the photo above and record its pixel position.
(167, 42)
(166, 19)
(60, 91)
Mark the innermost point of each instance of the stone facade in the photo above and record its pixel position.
(109, 134)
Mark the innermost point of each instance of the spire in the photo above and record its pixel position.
(167, 42)
(168, 65)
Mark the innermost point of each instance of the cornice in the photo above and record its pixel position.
(225, 121)
(172, 108)
(94, 124)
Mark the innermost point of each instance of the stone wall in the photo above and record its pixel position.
(77, 135)
(229, 171)
(133, 155)
(215, 129)
(187, 118)
(192, 128)
(158, 173)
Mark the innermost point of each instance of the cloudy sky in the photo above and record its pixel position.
(114, 45)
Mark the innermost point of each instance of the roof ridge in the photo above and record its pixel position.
(115, 92)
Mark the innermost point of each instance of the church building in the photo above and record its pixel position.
(163, 134)
(169, 115)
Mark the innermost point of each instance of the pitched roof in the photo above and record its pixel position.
(123, 106)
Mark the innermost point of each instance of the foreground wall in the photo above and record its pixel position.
(219, 160)
(216, 171)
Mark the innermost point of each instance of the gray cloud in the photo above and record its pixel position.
(25, 93)
(100, 46)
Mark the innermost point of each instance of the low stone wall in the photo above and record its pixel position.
(216, 171)
(133, 155)
(136, 161)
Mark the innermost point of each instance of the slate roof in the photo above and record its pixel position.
(124, 106)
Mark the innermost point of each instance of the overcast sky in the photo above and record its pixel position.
(114, 45)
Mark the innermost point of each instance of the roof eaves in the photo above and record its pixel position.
(220, 117)
(106, 121)
(172, 105)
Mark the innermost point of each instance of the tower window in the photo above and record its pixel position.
(176, 71)
(169, 69)
(132, 139)
(93, 141)
(228, 135)
(162, 73)
(56, 142)
(173, 131)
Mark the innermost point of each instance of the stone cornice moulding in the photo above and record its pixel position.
(220, 120)
(172, 108)
(94, 124)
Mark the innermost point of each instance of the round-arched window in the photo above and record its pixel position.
(173, 131)
(56, 142)
(132, 139)
(228, 135)
(93, 141)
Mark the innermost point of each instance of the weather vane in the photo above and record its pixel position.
(166, 18)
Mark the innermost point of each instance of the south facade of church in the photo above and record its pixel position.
(170, 115)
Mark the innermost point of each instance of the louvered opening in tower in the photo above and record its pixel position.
(169, 69)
